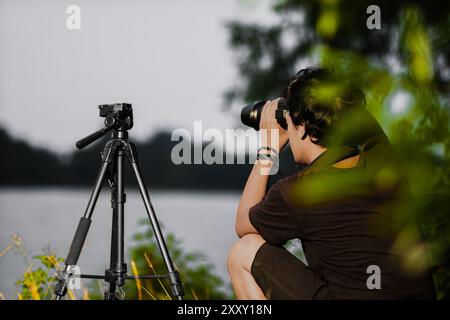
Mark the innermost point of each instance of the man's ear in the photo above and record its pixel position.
(302, 131)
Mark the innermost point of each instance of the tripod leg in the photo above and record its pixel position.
(174, 277)
(83, 227)
(117, 270)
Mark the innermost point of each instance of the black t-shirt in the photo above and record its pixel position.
(345, 219)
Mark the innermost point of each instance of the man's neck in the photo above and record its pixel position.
(314, 152)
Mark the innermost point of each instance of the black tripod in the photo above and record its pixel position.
(119, 119)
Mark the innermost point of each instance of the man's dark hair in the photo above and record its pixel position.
(318, 99)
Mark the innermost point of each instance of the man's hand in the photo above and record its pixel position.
(268, 122)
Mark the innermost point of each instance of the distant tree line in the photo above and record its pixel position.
(26, 165)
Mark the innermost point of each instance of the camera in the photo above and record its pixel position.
(118, 115)
(251, 113)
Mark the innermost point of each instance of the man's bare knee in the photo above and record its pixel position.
(243, 252)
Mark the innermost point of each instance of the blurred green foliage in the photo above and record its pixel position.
(403, 69)
(197, 274)
(198, 277)
(35, 284)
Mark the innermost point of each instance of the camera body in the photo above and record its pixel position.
(118, 115)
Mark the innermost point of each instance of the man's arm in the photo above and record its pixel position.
(255, 187)
(254, 192)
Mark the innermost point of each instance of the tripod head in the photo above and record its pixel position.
(118, 117)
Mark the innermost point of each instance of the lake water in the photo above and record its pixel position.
(203, 221)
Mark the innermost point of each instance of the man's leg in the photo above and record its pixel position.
(240, 261)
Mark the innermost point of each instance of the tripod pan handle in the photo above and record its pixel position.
(92, 137)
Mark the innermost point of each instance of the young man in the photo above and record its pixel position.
(337, 206)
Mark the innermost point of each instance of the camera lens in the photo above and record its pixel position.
(251, 114)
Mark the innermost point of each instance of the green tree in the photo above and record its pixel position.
(268, 54)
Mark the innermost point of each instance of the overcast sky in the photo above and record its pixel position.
(169, 58)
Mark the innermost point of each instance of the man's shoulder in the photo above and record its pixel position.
(284, 185)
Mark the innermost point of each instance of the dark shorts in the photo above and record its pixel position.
(282, 276)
